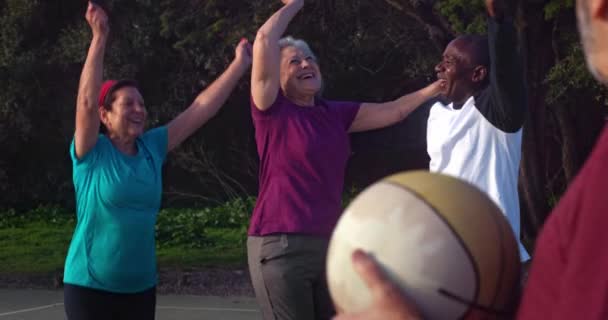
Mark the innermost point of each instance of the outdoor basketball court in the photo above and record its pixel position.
(26, 304)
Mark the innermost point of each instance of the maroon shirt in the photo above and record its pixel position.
(569, 275)
(303, 153)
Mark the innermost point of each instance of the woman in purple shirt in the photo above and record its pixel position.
(303, 146)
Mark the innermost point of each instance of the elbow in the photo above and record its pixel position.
(400, 112)
(265, 39)
(401, 115)
(86, 103)
(208, 109)
(261, 37)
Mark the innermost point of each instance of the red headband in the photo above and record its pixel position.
(105, 88)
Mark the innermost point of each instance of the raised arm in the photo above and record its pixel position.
(87, 114)
(210, 100)
(265, 76)
(379, 115)
(507, 94)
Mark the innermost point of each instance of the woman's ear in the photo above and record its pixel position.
(103, 116)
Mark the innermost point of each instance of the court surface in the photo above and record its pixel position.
(24, 304)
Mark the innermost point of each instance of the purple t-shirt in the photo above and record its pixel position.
(303, 153)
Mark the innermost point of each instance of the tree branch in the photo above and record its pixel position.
(423, 13)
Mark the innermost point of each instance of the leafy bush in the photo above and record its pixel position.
(50, 215)
(174, 227)
(187, 227)
(182, 227)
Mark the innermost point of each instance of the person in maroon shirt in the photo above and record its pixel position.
(303, 145)
(568, 278)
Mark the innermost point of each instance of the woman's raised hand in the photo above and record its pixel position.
(293, 1)
(98, 20)
(243, 53)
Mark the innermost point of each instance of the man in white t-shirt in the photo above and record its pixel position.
(568, 278)
(477, 136)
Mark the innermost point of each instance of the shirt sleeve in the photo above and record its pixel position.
(157, 140)
(503, 103)
(259, 114)
(346, 111)
(90, 158)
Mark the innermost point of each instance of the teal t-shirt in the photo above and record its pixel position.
(117, 200)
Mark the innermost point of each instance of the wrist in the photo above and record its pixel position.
(499, 10)
(297, 4)
(427, 92)
(497, 16)
(239, 65)
(100, 37)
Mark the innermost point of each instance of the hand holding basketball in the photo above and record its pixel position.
(97, 19)
(414, 225)
(389, 302)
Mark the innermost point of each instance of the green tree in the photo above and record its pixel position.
(369, 50)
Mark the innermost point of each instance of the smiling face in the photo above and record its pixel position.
(300, 73)
(127, 114)
(461, 69)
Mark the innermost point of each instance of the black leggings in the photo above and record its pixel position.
(83, 303)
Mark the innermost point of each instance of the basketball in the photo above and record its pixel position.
(443, 241)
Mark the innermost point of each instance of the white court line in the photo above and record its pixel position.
(31, 309)
(207, 309)
(158, 307)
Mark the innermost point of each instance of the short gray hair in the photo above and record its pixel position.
(290, 41)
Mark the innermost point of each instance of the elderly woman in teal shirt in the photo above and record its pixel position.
(110, 269)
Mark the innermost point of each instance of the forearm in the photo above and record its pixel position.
(213, 97)
(410, 102)
(206, 105)
(505, 56)
(91, 76)
(275, 26)
(379, 115)
(507, 77)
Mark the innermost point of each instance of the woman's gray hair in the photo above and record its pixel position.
(290, 41)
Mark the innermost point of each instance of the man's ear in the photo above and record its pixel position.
(480, 74)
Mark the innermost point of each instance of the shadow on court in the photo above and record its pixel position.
(26, 304)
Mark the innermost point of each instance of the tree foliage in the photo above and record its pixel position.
(369, 50)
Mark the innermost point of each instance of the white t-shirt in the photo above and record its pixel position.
(464, 144)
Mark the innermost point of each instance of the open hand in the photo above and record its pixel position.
(435, 88)
(97, 19)
(388, 300)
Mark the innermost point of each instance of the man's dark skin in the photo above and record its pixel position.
(464, 67)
